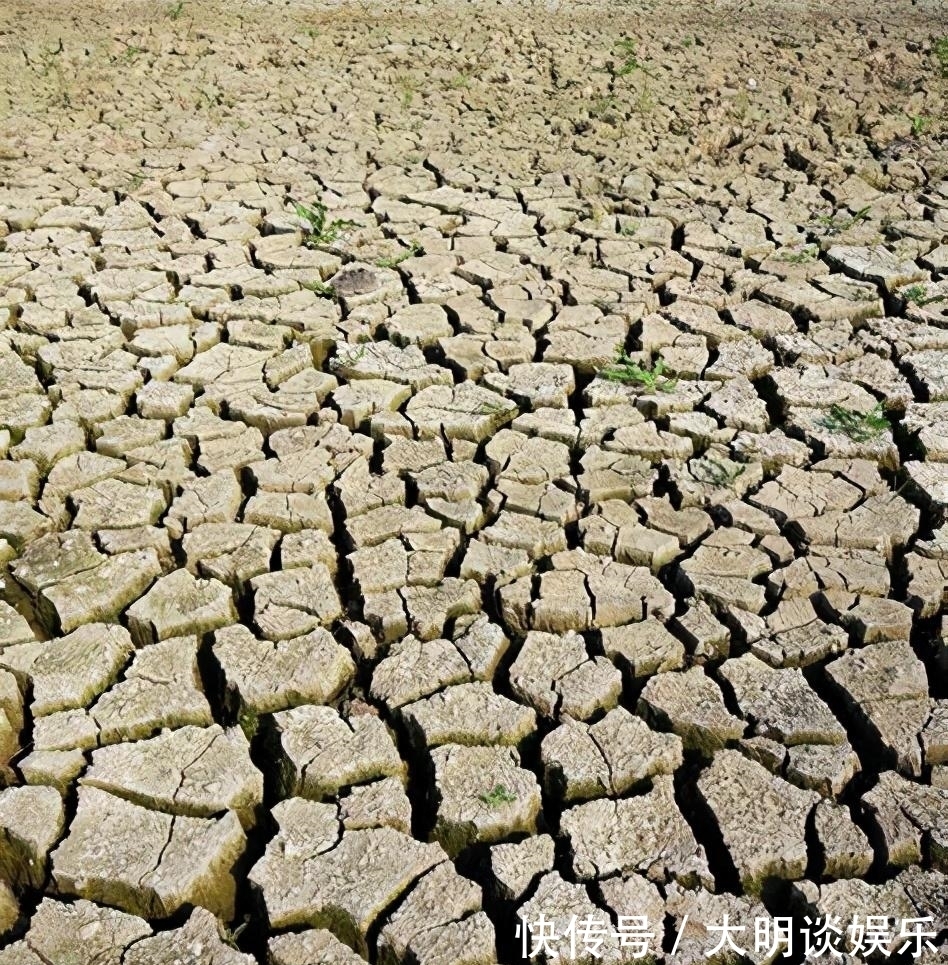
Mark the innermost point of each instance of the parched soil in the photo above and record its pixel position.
(463, 462)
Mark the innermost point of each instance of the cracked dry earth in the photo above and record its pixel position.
(349, 609)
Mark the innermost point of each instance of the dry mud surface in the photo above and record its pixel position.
(354, 601)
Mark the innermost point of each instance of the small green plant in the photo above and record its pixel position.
(249, 723)
(175, 9)
(629, 229)
(630, 61)
(460, 80)
(132, 52)
(230, 936)
(497, 796)
(321, 288)
(407, 87)
(350, 357)
(834, 223)
(714, 472)
(49, 59)
(603, 106)
(415, 250)
(135, 180)
(494, 406)
(940, 50)
(645, 101)
(319, 231)
(740, 106)
(624, 369)
(858, 426)
(800, 256)
(915, 294)
(920, 124)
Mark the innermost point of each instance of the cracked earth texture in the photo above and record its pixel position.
(461, 461)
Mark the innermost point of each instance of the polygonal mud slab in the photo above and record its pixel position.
(77, 931)
(762, 819)
(780, 704)
(313, 945)
(147, 862)
(200, 935)
(646, 834)
(910, 820)
(313, 874)
(555, 674)
(179, 604)
(691, 704)
(885, 687)
(289, 603)
(194, 771)
(263, 676)
(31, 822)
(482, 794)
(468, 714)
(606, 758)
(439, 921)
(71, 671)
(321, 752)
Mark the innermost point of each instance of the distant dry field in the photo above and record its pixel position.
(473, 483)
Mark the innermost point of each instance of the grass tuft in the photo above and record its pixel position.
(940, 50)
(319, 231)
(415, 250)
(630, 62)
(858, 426)
(496, 797)
(624, 369)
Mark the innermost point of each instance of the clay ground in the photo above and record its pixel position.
(468, 461)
